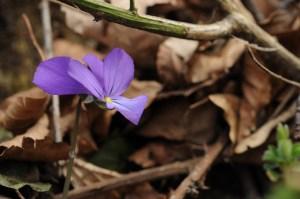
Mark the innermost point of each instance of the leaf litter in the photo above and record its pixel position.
(235, 98)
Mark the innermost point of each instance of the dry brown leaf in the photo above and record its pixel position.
(230, 104)
(160, 153)
(172, 56)
(81, 22)
(260, 136)
(62, 47)
(210, 65)
(34, 145)
(257, 90)
(148, 88)
(23, 109)
(144, 191)
(174, 120)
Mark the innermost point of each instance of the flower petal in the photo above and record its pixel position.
(96, 66)
(83, 75)
(52, 76)
(118, 72)
(131, 109)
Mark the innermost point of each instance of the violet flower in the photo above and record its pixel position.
(106, 80)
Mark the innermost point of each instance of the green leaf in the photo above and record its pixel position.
(15, 183)
(296, 151)
(270, 154)
(284, 151)
(283, 132)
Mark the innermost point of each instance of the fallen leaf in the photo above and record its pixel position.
(23, 109)
(172, 57)
(159, 153)
(81, 22)
(211, 64)
(260, 136)
(34, 145)
(257, 93)
(62, 47)
(230, 104)
(148, 88)
(145, 191)
(174, 120)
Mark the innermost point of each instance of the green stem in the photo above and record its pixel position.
(72, 152)
(107, 11)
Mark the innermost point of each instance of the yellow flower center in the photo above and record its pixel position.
(107, 99)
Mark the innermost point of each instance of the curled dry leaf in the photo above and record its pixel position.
(261, 135)
(172, 56)
(257, 90)
(23, 109)
(174, 120)
(230, 104)
(210, 65)
(34, 145)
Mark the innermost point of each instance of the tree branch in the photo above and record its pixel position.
(109, 12)
(239, 22)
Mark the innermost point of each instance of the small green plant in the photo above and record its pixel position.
(281, 156)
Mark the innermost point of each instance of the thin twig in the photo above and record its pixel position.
(286, 98)
(47, 29)
(294, 83)
(200, 169)
(134, 178)
(95, 169)
(32, 37)
(19, 194)
(72, 152)
(132, 7)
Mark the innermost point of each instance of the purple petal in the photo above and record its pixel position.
(83, 75)
(131, 109)
(52, 76)
(96, 66)
(118, 72)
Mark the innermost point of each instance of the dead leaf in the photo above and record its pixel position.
(230, 104)
(81, 22)
(260, 136)
(23, 109)
(34, 145)
(62, 47)
(172, 57)
(148, 88)
(144, 191)
(210, 65)
(257, 93)
(174, 120)
(159, 153)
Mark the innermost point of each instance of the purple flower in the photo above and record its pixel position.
(106, 80)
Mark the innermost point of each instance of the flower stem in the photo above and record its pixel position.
(72, 152)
